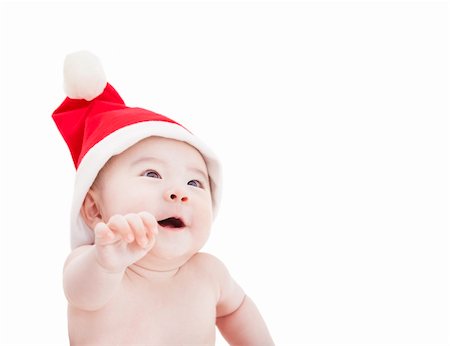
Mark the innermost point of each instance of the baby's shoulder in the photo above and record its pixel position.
(205, 260)
(229, 294)
(207, 263)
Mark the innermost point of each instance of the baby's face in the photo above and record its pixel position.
(167, 178)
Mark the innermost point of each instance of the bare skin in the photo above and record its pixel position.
(144, 281)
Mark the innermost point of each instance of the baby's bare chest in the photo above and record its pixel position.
(184, 303)
(174, 313)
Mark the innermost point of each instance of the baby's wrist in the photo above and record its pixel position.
(108, 269)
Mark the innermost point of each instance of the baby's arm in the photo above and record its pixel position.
(245, 326)
(93, 273)
(238, 318)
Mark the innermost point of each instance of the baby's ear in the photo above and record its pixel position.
(90, 211)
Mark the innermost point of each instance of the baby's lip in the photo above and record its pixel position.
(172, 222)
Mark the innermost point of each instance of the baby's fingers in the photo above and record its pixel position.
(119, 224)
(103, 235)
(138, 228)
(150, 223)
(151, 227)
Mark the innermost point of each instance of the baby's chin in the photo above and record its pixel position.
(171, 250)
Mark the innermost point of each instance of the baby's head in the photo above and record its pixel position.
(130, 160)
(165, 177)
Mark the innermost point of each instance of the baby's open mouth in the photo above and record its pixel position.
(172, 222)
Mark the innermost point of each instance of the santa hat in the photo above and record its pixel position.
(96, 125)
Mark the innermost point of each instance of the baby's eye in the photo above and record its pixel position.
(150, 173)
(195, 183)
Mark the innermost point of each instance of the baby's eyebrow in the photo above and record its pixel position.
(146, 159)
(199, 171)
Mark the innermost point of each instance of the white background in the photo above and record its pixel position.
(330, 119)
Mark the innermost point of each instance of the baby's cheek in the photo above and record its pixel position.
(204, 220)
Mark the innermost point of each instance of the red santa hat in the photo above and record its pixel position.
(96, 125)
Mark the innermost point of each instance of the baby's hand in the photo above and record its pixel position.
(124, 240)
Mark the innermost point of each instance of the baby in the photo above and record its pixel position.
(145, 197)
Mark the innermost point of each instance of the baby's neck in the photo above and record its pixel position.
(149, 273)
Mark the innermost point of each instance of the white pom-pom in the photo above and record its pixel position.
(84, 77)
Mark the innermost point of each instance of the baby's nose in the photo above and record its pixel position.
(177, 196)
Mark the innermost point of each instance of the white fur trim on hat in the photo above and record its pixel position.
(119, 141)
